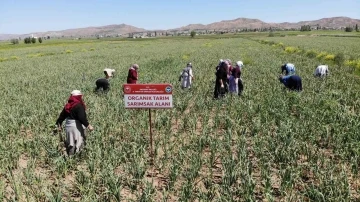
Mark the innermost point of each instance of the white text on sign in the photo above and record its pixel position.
(148, 101)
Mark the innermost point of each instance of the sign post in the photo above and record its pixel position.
(148, 96)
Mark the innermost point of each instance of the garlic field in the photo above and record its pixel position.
(268, 145)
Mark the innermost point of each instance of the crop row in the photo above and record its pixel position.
(267, 145)
(323, 56)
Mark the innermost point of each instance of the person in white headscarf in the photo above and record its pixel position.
(288, 69)
(321, 70)
(103, 83)
(186, 76)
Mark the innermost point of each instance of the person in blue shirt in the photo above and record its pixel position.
(292, 82)
(288, 69)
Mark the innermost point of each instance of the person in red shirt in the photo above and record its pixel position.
(133, 74)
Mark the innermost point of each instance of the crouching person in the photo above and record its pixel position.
(321, 70)
(104, 83)
(292, 82)
(75, 123)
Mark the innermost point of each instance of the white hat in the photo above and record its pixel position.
(76, 92)
(109, 72)
(221, 60)
(239, 63)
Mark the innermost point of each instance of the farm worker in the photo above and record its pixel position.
(236, 74)
(103, 83)
(220, 83)
(75, 124)
(132, 77)
(187, 76)
(292, 82)
(288, 68)
(230, 66)
(218, 66)
(321, 70)
(228, 72)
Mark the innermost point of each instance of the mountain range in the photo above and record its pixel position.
(239, 23)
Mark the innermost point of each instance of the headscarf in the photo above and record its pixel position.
(109, 72)
(74, 99)
(135, 66)
(239, 64)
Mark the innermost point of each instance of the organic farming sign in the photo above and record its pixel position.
(148, 96)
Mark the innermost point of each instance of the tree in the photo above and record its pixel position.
(357, 28)
(348, 29)
(305, 28)
(33, 40)
(40, 40)
(14, 41)
(27, 40)
(48, 37)
(192, 34)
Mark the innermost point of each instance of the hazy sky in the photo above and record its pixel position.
(21, 17)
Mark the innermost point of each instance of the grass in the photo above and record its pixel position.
(268, 145)
(348, 45)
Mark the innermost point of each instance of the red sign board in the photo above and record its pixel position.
(148, 96)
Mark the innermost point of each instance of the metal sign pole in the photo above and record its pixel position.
(151, 140)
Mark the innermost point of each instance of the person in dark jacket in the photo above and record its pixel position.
(103, 83)
(220, 82)
(132, 77)
(75, 124)
(218, 66)
(292, 82)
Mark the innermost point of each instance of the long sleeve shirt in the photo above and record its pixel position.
(221, 74)
(132, 76)
(236, 73)
(77, 113)
(103, 83)
(292, 82)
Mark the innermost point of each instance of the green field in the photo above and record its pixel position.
(268, 145)
(350, 46)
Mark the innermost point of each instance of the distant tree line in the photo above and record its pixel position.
(305, 28)
(350, 29)
(29, 40)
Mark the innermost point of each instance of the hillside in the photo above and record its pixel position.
(334, 22)
(239, 23)
(78, 32)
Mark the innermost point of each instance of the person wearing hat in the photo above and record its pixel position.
(186, 76)
(288, 69)
(132, 77)
(104, 83)
(291, 82)
(76, 122)
(236, 81)
(321, 70)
